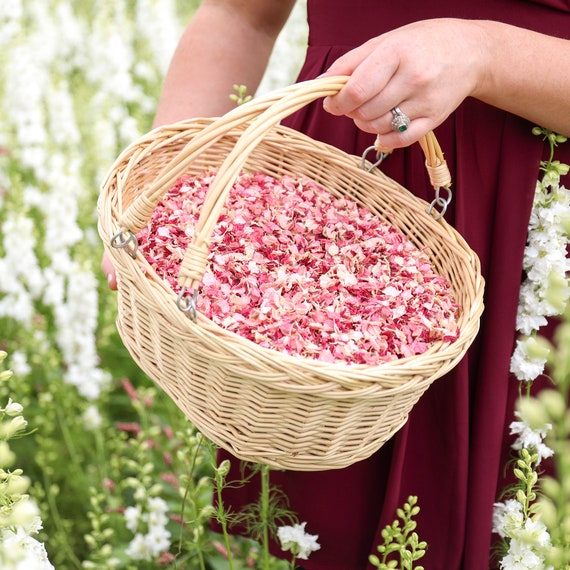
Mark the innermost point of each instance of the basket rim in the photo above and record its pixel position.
(182, 129)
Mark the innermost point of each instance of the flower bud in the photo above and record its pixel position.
(17, 485)
(207, 512)
(533, 413)
(554, 403)
(550, 487)
(547, 512)
(13, 408)
(537, 347)
(7, 456)
(557, 291)
(224, 468)
(5, 375)
(11, 428)
(560, 167)
(24, 511)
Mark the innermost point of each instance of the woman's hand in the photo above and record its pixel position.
(109, 272)
(426, 69)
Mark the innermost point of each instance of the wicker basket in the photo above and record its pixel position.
(257, 403)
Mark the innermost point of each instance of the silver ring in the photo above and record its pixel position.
(401, 121)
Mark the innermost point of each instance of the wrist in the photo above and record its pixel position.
(485, 36)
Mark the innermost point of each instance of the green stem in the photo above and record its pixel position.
(265, 514)
(68, 439)
(58, 523)
(222, 518)
(187, 491)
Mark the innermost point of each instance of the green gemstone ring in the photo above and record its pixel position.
(401, 121)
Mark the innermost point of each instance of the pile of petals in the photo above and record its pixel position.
(298, 270)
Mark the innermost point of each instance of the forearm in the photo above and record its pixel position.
(527, 74)
(224, 44)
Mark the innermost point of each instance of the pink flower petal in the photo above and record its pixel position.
(299, 271)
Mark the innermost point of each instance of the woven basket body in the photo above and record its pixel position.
(260, 404)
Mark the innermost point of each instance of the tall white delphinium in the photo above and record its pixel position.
(20, 518)
(78, 84)
(544, 293)
(22, 277)
(545, 265)
(148, 521)
(46, 141)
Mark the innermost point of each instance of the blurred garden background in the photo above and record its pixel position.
(114, 472)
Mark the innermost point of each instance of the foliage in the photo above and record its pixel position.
(121, 479)
(402, 546)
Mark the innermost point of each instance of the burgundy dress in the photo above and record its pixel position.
(452, 451)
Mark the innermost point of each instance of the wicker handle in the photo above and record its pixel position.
(267, 110)
(136, 216)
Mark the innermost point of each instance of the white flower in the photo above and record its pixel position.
(34, 525)
(545, 255)
(535, 534)
(92, 418)
(156, 518)
(11, 428)
(157, 505)
(138, 548)
(25, 512)
(132, 516)
(158, 540)
(521, 556)
(531, 439)
(19, 363)
(524, 365)
(19, 551)
(295, 539)
(13, 408)
(150, 545)
(507, 516)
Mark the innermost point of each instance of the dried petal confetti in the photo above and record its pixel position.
(295, 269)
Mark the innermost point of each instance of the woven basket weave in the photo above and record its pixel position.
(259, 404)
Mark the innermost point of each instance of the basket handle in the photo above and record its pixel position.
(277, 107)
(136, 216)
(267, 111)
(436, 166)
